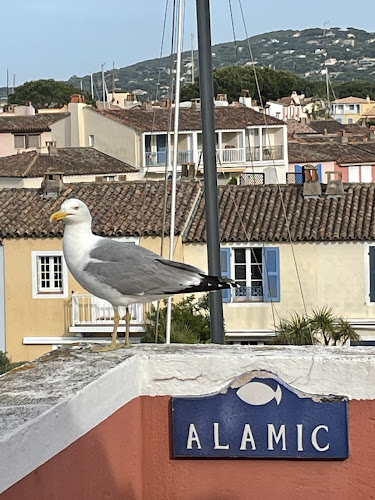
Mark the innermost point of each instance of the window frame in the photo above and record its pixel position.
(26, 140)
(267, 252)
(249, 263)
(54, 294)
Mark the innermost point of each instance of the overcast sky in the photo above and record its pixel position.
(58, 39)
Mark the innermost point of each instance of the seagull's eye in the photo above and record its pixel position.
(76, 208)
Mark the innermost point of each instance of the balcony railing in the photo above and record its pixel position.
(225, 155)
(88, 310)
(232, 155)
(156, 158)
(248, 293)
(160, 157)
(295, 177)
(252, 179)
(268, 153)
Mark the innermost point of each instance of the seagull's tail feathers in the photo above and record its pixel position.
(210, 284)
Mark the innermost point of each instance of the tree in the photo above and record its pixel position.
(323, 327)
(190, 322)
(45, 94)
(273, 84)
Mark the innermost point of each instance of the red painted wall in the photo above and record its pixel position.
(117, 461)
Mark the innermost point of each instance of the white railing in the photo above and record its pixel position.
(232, 155)
(90, 310)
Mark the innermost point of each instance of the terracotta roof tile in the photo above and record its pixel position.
(247, 213)
(118, 209)
(353, 153)
(350, 100)
(70, 161)
(256, 214)
(157, 119)
(35, 123)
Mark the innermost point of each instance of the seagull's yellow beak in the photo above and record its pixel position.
(58, 216)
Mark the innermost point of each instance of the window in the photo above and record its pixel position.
(350, 121)
(33, 141)
(248, 273)
(50, 277)
(255, 270)
(20, 141)
(26, 141)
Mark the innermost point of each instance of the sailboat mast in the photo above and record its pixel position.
(175, 157)
(209, 160)
(328, 107)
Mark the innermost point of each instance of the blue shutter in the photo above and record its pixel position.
(225, 271)
(298, 170)
(372, 273)
(319, 167)
(271, 275)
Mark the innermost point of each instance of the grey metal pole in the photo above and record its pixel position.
(209, 160)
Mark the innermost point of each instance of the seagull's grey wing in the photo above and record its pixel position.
(133, 270)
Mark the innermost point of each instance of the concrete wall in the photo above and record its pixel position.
(113, 138)
(103, 427)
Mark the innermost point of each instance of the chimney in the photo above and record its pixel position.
(245, 98)
(196, 103)
(188, 171)
(335, 187)
(167, 103)
(311, 186)
(52, 148)
(77, 98)
(52, 184)
(146, 106)
(344, 137)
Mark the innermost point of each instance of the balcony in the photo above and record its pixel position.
(89, 314)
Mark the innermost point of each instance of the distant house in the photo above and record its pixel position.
(355, 161)
(350, 109)
(247, 146)
(28, 170)
(26, 133)
(288, 252)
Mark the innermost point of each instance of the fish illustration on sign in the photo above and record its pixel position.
(256, 393)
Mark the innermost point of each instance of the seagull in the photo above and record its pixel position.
(124, 273)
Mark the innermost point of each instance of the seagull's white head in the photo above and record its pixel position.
(72, 211)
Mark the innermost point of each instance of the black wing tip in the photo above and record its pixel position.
(211, 284)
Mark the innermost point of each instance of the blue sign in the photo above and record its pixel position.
(260, 416)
